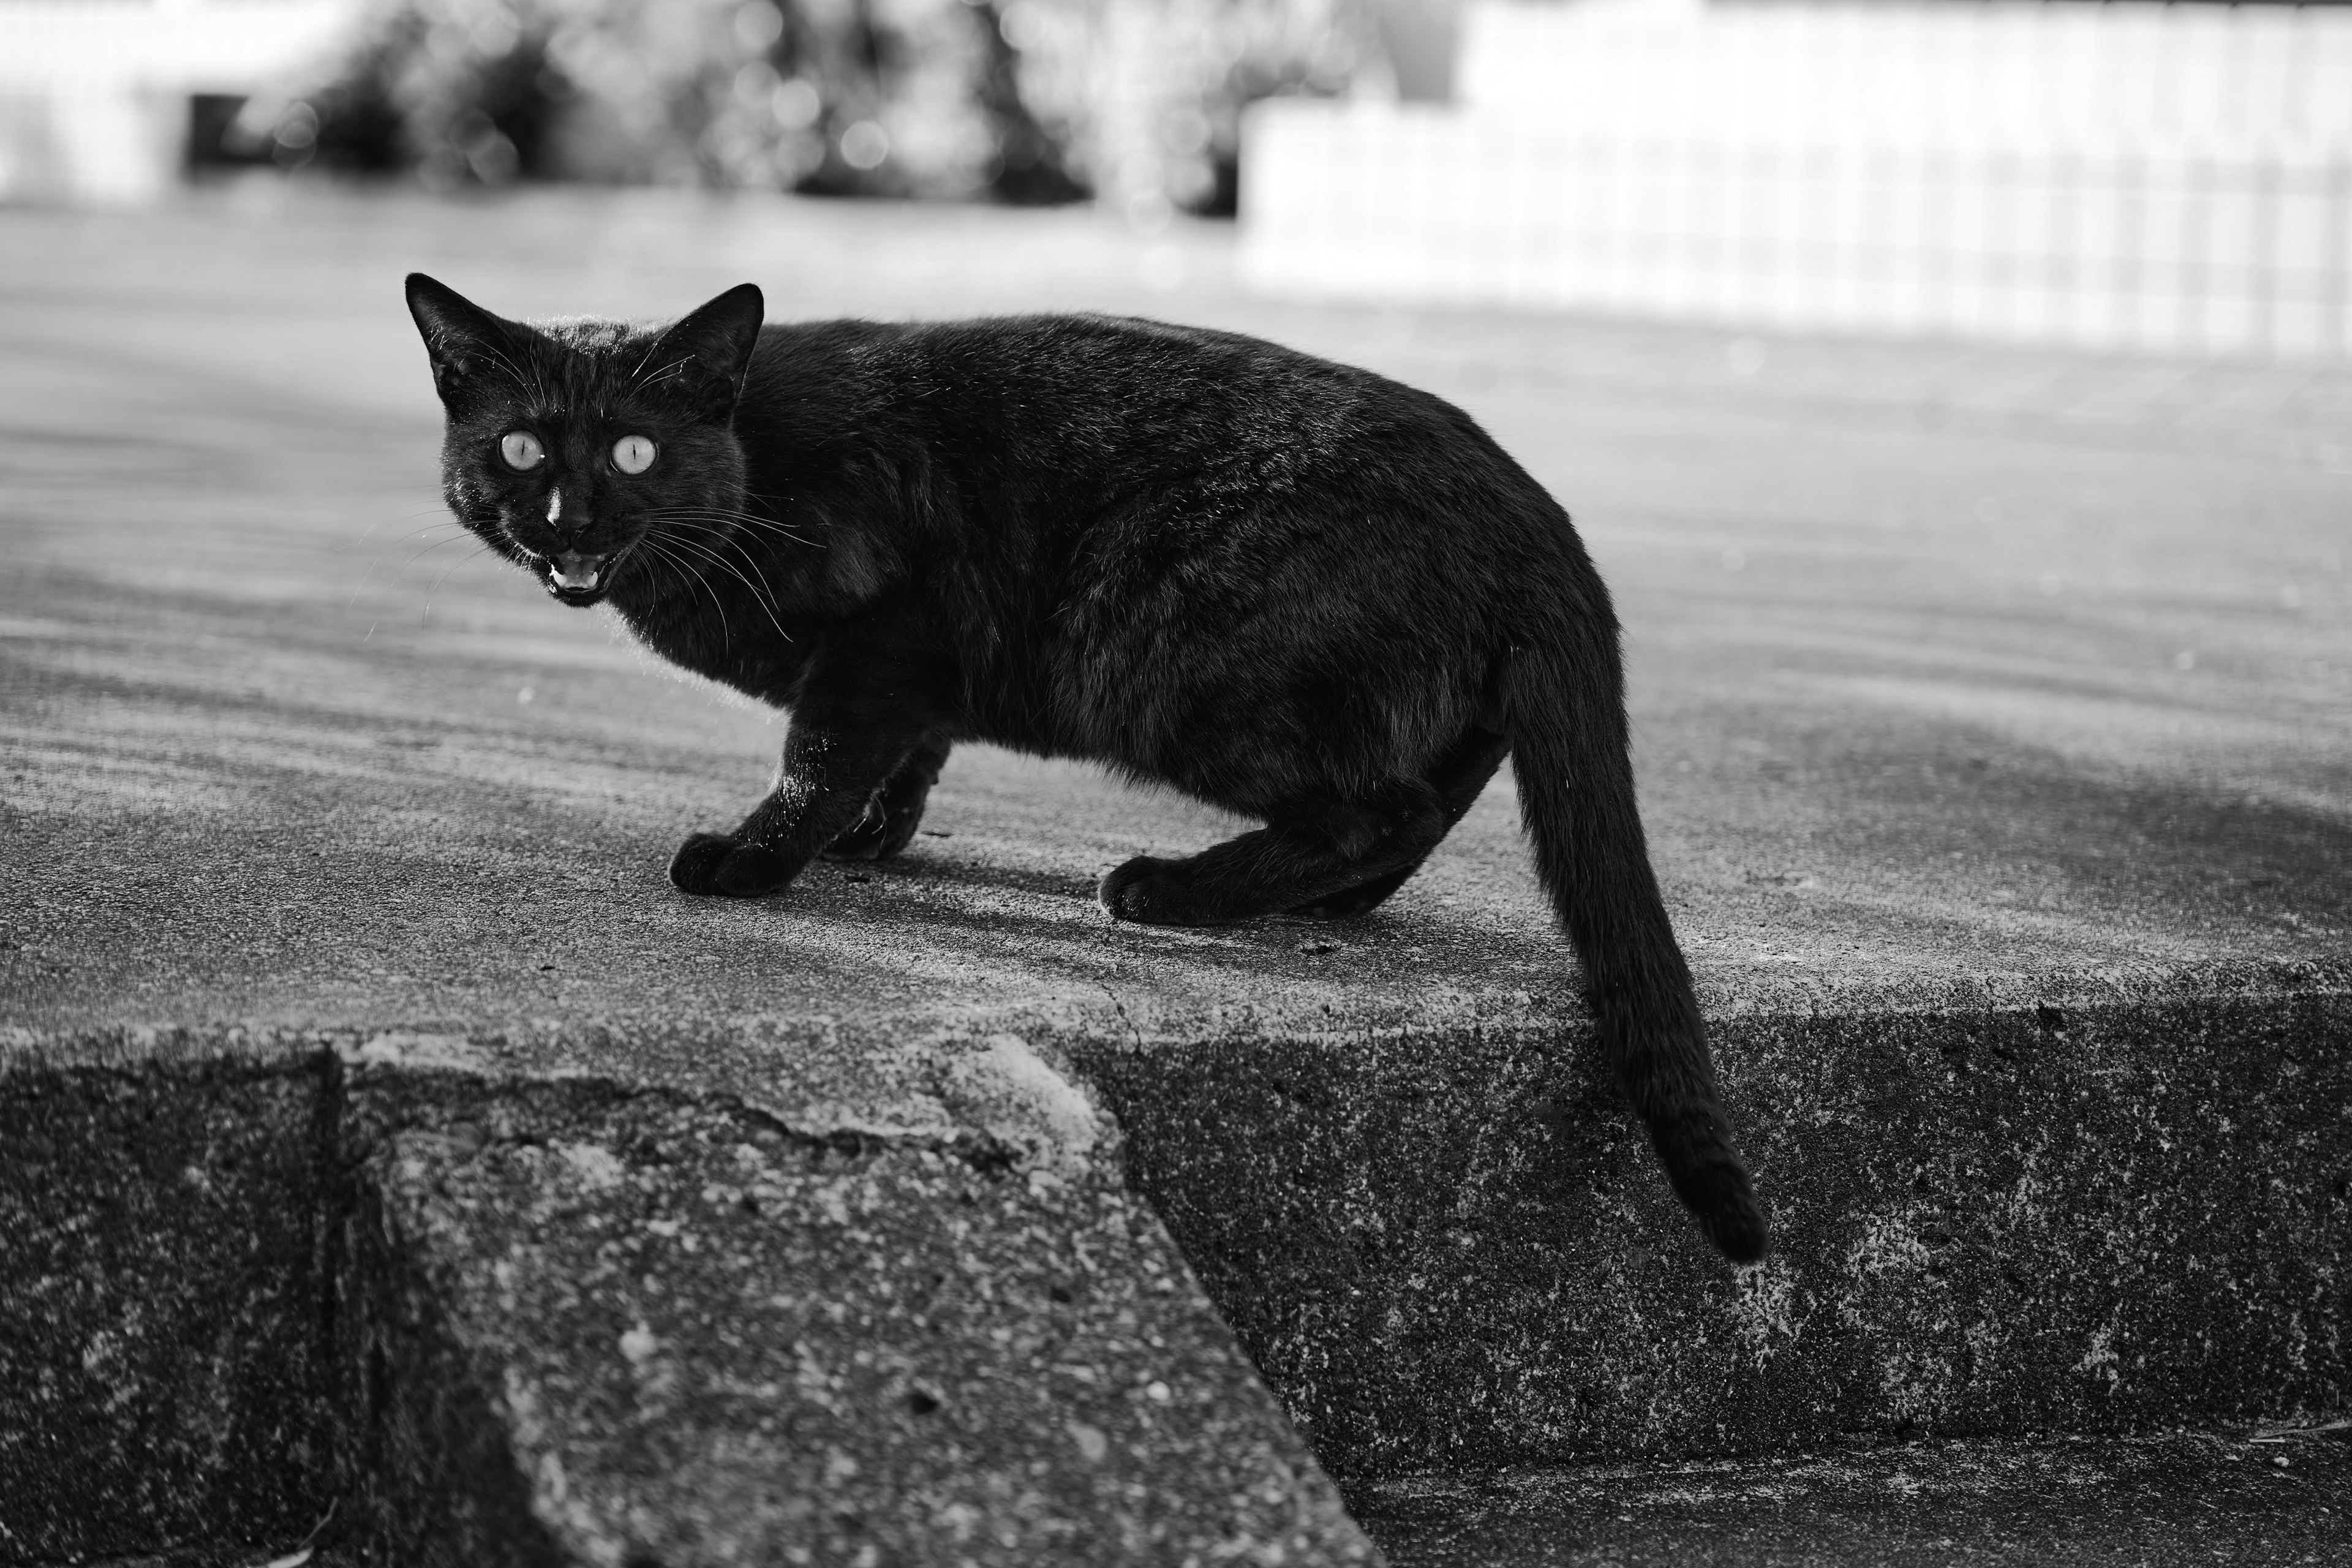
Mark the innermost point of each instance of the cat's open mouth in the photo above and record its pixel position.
(577, 579)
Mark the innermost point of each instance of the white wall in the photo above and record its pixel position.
(2171, 178)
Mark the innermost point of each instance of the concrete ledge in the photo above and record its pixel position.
(1439, 1246)
(578, 1322)
(1449, 1250)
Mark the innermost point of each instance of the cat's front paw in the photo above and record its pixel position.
(1151, 892)
(714, 863)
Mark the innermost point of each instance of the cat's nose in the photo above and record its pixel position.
(557, 517)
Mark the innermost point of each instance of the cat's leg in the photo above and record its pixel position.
(892, 811)
(1303, 858)
(848, 736)
(1459, 780)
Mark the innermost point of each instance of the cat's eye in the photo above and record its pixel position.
(521, 449)
(633, 454)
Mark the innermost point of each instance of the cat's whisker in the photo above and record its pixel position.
(685, 570)
(421, 552)
(761, 524)
(528, 386)
(533, 384)
(765, 601)
(462, 560)
(700, 551)
(375, 560)
(409, 536)
(724, 528)
(665, 373)
(725, 524)
(775, 610)
(731, 513)
(538, 379)
(368, 534)
(714, 506)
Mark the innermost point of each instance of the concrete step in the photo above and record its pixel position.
(276, 1293)
(2258, 1495)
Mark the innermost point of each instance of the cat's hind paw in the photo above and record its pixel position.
(878, 835)
(1151, 892)
(1344, 905)
(715, 864)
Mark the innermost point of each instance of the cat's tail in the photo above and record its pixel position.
(1564, 709)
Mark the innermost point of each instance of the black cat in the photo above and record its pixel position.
(1300, 591)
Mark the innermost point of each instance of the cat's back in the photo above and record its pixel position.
(1152, 380)
(1073, 438)
(1103, 386)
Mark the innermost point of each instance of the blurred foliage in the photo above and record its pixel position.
(1020, 101)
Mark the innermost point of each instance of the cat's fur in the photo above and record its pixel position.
(1300, 591)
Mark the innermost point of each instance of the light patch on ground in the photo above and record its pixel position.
(33, 627)
(598, 1169)
(2100, 1360)
(1918, 1385)
(1765, 1312)
(553, 1498)
(2123, 727)
(1889, 1243)
(403, 1048)
(1012, 1094)
(61, 780)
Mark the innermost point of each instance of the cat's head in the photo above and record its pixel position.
(571, 442)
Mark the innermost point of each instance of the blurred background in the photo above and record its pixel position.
(1023, 101)
(2167, 177)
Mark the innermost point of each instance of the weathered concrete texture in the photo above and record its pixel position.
(364, 1296)
(1456, 1252)
(2269, 1496)
(714, 1339)
(165, 1311)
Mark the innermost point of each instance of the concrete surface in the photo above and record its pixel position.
(1990, 718)
(2275, 1495)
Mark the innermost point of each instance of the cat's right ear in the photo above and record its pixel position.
(462, 338)
(707, 352)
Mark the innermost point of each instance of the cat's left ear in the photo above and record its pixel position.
(705, 353)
